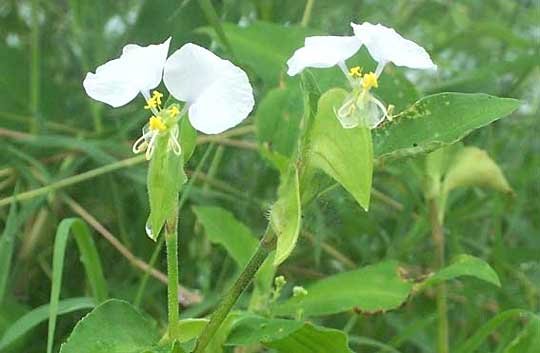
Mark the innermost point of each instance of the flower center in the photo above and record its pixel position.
(369, 80)
(156, 123)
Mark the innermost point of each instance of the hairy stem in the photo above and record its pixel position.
(228, 301)
(442, 307)
(171, 239)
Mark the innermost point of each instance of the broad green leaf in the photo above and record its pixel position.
(252, 49)
(474, 342)
(278, 120)
(165, 179)
(438, 120)
(89, 258)
(528, 341)
(473, 167)
(223, 228)
(112, 327)
(288, 336)
(286, 215)
(344, 154)
(372, 288)
(27, 322)
(190, 329)
(465, 265)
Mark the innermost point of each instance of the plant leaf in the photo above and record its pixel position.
(165, 179)
(89, 258)
(286, 215)
(288, 335)
(528, 340)
(344, 154)
(372, 288)
(251, 47)
(112, 327)
(465, 265)
(223, 228)
(473, 167)
(473, 342)
(438, 120)
(28, 321)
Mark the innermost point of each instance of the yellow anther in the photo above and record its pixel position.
(355, 71)
(369, 81)
(156, 96)
(173, 111)
(155, 123)
(150, 104)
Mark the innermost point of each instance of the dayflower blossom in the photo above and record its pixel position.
(384, 45)
(217, 94)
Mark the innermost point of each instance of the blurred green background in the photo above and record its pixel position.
(50, 130)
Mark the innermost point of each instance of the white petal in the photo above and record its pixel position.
(192, 69)
(138, 69)
(219, 93)
(322, 51)
(110, 84)
(386, 45)
(146, 63)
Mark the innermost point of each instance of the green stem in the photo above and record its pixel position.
(307, 13)
(442, 306)
(171, 239)
(228, 301)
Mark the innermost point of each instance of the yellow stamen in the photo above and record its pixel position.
(156, 123)
(173, 111)
(156, 95)
(369, 81)
(150, 104)
(355, 71)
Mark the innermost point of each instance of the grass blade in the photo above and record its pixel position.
(90, 260)
(31, 319)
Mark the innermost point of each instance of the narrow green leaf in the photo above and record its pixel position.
(112, 327)
(474, 342)
(528, 341)
(165, 179)
(223, 228)
(90, 260)
(7, 243)
(286, 215)
(344, 154)
(31, 319)
(287, 336)
(465, 265)
(372, 288)
(215, 22)
(438, 120)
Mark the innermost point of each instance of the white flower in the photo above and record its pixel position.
(323, 51)
(217, 93)
(383, 44)
(386, 45)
